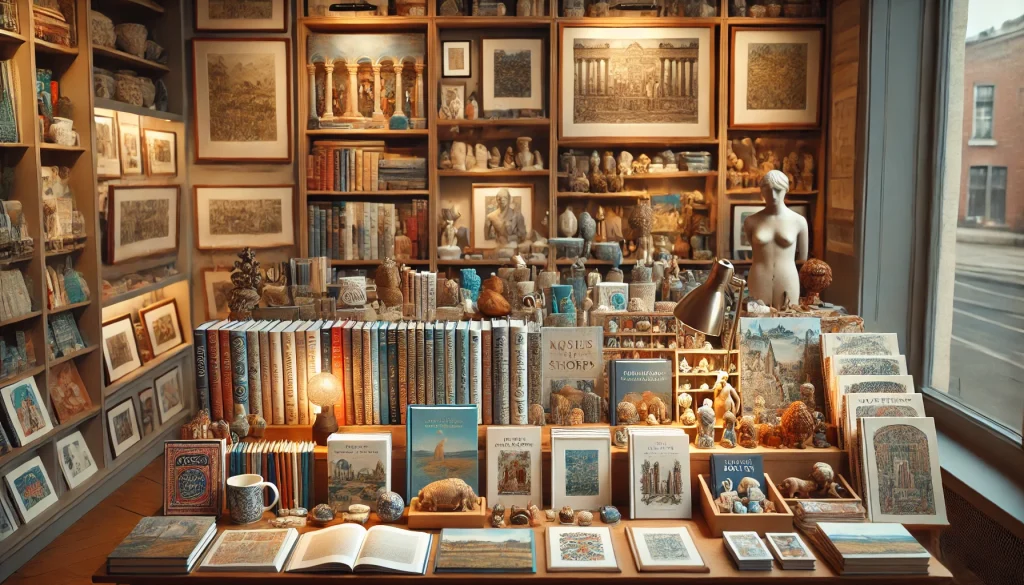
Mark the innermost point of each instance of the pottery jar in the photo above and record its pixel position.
(131, 38)
(128, 88)
(148, 90)
(62, 131)
(103, 83)
(102, 29)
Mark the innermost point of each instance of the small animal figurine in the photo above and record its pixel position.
(566, 515)
(797, 425)
(621, 438)
(745, 484)
(824, 479)
(447, 495)
(536, 415)
(706, 434)
(519, 516)
(768, 435)
(536, 518)
(794, 487)
(598, 182)
(626, 413)
(509, 162)
(729, 431)
(550, 515)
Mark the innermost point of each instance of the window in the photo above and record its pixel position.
(984, 97)
(986, 197)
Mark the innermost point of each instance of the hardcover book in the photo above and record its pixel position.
(441, 442)
(213, 367)
(202, 374)
(350, 364)
(486, 550)
(500, 379)
(476, 374)
(636, 377)
(263, 550)
(390, 364)
(277, 375)
(403, 369)
(518, 372)
(487, 381)
(194, 477)
(449, 363)
(734, 468)
(514, 466)
(462, 368)
(572, 363)
(162, 544)
(865, 548)
(358, 465)
(659, 469)
(581, 468)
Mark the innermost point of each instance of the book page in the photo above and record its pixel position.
(395, 549)
(338, 544)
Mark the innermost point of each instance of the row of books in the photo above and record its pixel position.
(353, 166)
(366, 230)
(286, 464)
(383, 367)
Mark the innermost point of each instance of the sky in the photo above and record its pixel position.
(984, 14)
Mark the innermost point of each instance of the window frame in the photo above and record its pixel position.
(991, 113)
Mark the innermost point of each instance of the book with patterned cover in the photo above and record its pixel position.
(194, 477)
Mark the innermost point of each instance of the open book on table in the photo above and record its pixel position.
(352, 548)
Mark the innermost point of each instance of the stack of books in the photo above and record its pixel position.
(871, 549)
(163, 545)
(747, 551)
(790, 551)
(402, 172)
(286, 464)
(353, 166)
(808, 513)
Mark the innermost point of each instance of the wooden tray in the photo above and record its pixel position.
(842, 481)
(780, 521)
(469, 519)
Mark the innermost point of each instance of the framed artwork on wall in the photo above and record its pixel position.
(230, 217)
(741, 248)
(26, 410)
(108, 161)
(453, 100)
(255, 15)
(641, 81)
(162, 326)
(31, 488)
(169, 398)
(457, 59)
(775, 78)
(161, 149)
(500, 207)
(131, 149)
(141, 221)
(512, 74)
(120, 353)
(123, 426)
(241, 100)
(217, 287)
(75, 459)
(147, 411)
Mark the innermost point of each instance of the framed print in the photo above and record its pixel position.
(642, 81)
(242, 15)
(147, 411)
(8, 523)
(453, 100)
(120, 353)
(229, 217)
(512, 74)
(141, 221)
(241, 100)
(457, 59)
(501, 214)
(217, 287)
(169, 397)
(901, 469)
(108, 161)
(75, 459)
(161, 149)
(31, 488)
(161, 323)
(131, 149)
(123, 426)
(68, 392)
(26, 411)
(741, 248)
(775, 78)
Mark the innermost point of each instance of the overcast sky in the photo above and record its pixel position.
(984, 14)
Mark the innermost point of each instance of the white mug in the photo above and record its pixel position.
(245, 498)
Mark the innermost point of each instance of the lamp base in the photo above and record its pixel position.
(324, 425)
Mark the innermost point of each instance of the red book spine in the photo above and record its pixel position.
(225, 378)
(338, 368)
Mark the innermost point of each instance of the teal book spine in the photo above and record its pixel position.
(395, 409)
(428, 364)
(382, 372)
(462, 364)
(449, 364)
(239, 370)
(374, 371)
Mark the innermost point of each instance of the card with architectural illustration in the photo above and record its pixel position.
(669, 548)
(514, 465)
(572, 368)
(31, 488)
(131, 144)
(578, 548)
(120, 352)
(228, 217)
(788, 547)
(75, 459)
(161, 152)
(659, 473)
(775, 78)
(161, 323)
(885, 344)
(901, 469)
(26, 411)
(858, 406)
(442, 442)
(242, 15)
(777, 356)
(580, 468)
(263, 550)
(358, 465)
(194, 477)
(486, 550)
(68, 392)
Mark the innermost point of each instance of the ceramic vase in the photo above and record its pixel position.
(131, 38)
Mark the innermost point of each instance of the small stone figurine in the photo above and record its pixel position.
(247, 280)
(729, 431)
(706, 436)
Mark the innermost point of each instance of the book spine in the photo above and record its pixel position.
(337, 360)
(301, 400)
(227, 386)
(421, 382)
(431, 366)
(239, 371)
(431, 295)
(348, 367)
(386, 402)
(291, 407)
(358, 386)
(487, 396)
(266, 376)
(449, 365)
(252, 340)
(403, 372)
(533, 360)
(397, 402)
(314, 365)
(374, 371)
(461, 366)
(278, 378)
(501, 375)
(475, 372)
(519, 375)
(202, 372)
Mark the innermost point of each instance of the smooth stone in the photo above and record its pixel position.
(610, 514)
(585, 517)
(550, 515)
(360, 518)
(359, 509)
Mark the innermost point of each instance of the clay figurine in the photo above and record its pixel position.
(495, 159)
(745, 484)
(797, 425)
(747, 433)
(706, 436)
(820, 439)
(509, 162)
(567, 223)
(585, 518)
(566, 515)
(447, 495)
(729, 431)
(794, 487)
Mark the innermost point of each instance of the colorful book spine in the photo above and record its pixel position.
(500, 384)
(475, 373)
(301, 399)
(402, 337)
(291, 403)
(266, 375)
(394, 410)
(239, 370)
(449, 364)
(374, 370)
(252, 349)
(349, 367)
(213, 360)
(359, 408)
(277, 374)
(227, 386)
(535, 373)
(421, 366)
(462, 364)
(202, 373)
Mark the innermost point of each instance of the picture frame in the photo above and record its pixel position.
(456, 58)
(170, 397)
(229, 217)
(130, 138)
(484, 202)
(31, 488)
(449, 91)
(123, 426)
(162, 325)
(272, 16)
(225, 113)
(26, 411)
(68, 392)
(161, 150)
(741, 248)
(152, 216)
(147, 412)
(588, 461)
(120, 353)
(8, 521)
(75, 459)
(217, 287)
(506, 64)
(687, 115)
(108, 159)
(775, 77)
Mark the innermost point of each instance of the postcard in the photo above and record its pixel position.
(486, 550)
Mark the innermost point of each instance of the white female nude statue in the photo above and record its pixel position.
(778, 236)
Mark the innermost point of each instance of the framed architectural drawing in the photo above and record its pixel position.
(580, 471)
(217, 287)
(241, 100)
(120, 353)
(161, 323)
(26, 411)
(68, 392)
(501, 214)
(123, 426)
(141, 221)
(453, 100)
(131, 148)
(457, 59)
(230, 217)
(169, 397)
(512, 74)
(901, 469)
(642, 81)
(31, 488)
(741, 248)
(108, 162)
(147, 411)
(161, 153)
(247, 15)
(75, 459)
(775, 78)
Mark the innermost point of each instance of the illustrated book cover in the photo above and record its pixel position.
(263, 550)
(659, 473)
(734, 468)
(636, 377)
(901, 471)
(859, 344)
(571, 365)
(666, 549)
(486, 550)
(442, 443)
(358, 465)
(194, 477)
(580, 468)
(352, 548)
(578, 548)
(747, 551)
(790, 550)
(777, 355)
(868, 548)
(514, 465)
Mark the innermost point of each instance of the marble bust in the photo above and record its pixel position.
(778, 236)
(506, 223)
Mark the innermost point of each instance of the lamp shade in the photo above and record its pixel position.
(323, 389)
(703, 309)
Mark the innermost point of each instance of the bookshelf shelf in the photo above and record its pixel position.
(495, 123)
(70, 307)
(495, 173)
(117, 106)
(364, 24)
(181, 276)
(101, 53)
(73, 355)
(505, 22)
(33, 371)
(356, 194)
(64, 251)
(11, 38)
(14, 145)
(378, 262)
(146, 369)
(153, 7)
(16, 455)
(54, 49)
(369, 132)
(20, 318)
(12, 261)
(60, 147)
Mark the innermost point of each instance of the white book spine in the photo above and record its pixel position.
(277, 378)
(291, 396)
(431, 295)
(519, 373)
(475, 373)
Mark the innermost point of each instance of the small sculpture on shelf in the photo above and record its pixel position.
(794, 487)
(509, 161)
(729, 431)
(447, 495)
(566, 515)
(524, 157)
(747, 433)
(610, 514)
(773, 274)
(587, 231)
(688, 418)
(706, 433)
(247, 280)
(567, 223)
(449, 248)
(585, 517)
(815, 277)
(498, 516)
(491, 301)
(389, 285)
(825, 480)
(768, 435)
(820, 438)
(321, 515)
(797, 425)
(642, 221)
(726, 398)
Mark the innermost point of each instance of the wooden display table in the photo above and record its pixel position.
(712, 550)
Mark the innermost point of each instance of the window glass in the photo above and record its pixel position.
(983, 98)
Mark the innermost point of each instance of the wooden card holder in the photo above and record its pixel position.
(468, 519)
(779, 521)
